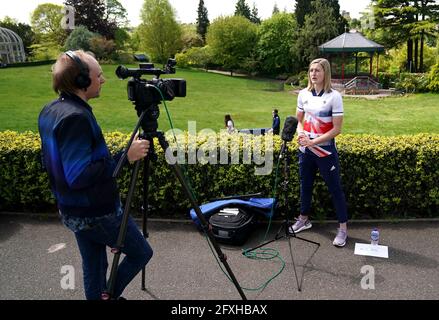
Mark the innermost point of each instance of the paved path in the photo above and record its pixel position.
(183, 267)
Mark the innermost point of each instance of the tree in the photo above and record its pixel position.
(407, 21)
(23, 30)
(342, 23)
(232, 40)
(303, 8)
(46, 23)
(319, 27)
(242, 9)
(190, 38)
(116, 14)
(254, 15)
(92, 14)
(355, 24)
(117, 18)
(275, 9)
(202, 20)
(159, 32)
(276, 44)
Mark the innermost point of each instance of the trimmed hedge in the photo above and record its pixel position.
(383, 177)
(30, 64)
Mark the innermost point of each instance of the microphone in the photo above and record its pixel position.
(288, 132)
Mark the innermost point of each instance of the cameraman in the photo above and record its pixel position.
(80, 170)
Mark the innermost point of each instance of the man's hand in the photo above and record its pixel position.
(138, 149)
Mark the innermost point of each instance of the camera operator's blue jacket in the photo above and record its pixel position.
(77, 159)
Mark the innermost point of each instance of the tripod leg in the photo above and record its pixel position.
(294, 264)
(177, 170)
(145, 204)
(276, 237)
(122, 234)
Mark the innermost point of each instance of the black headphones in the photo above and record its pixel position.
(82, 81)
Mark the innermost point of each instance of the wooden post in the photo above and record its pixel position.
(342, 66)
(356, 64)
(371, 64)
(378, 64)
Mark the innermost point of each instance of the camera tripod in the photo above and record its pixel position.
(150, 135)
(286, 224)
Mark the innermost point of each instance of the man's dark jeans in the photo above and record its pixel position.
(92, 245)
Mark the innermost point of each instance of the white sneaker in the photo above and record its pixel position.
(340, 238)
(300, 225)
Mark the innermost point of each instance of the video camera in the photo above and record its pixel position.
(146, 95)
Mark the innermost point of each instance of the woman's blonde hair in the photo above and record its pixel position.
(326, 69)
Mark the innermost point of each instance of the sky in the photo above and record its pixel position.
(186, 9)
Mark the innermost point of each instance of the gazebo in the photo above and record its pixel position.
(11, 47)
(348, 43)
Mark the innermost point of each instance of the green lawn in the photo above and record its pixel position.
(24, 91)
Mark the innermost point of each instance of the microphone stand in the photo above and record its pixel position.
(285, 155)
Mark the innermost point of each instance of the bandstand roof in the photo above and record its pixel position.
(351, 41)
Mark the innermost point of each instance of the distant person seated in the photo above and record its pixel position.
(229, 124)
(275, 127)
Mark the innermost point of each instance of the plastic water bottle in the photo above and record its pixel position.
(374, 237)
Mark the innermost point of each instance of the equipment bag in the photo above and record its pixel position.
(232, 225)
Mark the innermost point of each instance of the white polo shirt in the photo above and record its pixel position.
(319, 111)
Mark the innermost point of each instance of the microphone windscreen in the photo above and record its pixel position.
(289, 130)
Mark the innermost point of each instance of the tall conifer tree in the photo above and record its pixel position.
(202, 20)
(242, 9)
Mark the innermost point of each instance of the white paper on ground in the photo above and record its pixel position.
(363, 249)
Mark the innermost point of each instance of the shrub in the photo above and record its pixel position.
(412, 82)
(79, 39)
(388, 79)
(125, 58)
(433, 79)
(382, 177)
(45, 52)
(194, 57)
(103, 49)
(300, 79)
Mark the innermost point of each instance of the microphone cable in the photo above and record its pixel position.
(260, 254)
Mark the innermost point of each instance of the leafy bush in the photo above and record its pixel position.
(194, 57)
(433, 79)
(300, 79)
(303, 83)
(125, 58)
(413, 82)
(79, 39)
(382, 176)
(388, 79)
(44, 52)
(103, 49)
